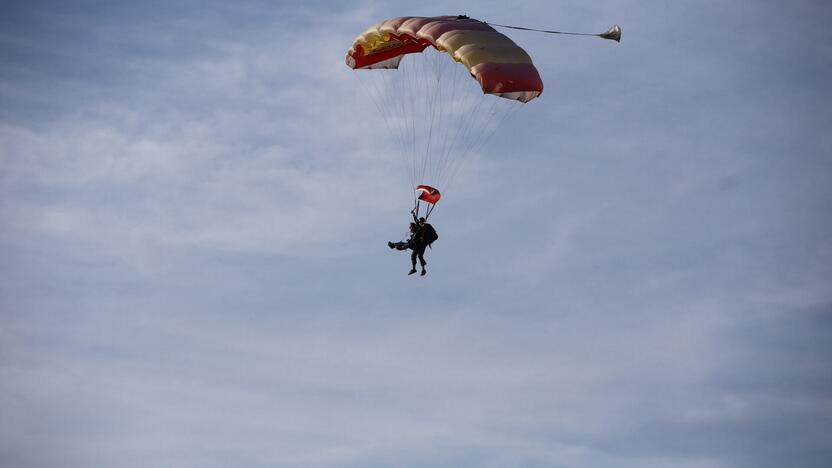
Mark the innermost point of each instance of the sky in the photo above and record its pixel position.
(634, 272)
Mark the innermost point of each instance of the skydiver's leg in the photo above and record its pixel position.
(421, 251)
(412, 262)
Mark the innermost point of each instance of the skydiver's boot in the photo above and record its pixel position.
(412, 271)
(391, 245)
(424, 272)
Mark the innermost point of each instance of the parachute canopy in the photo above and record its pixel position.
(428, 194)
(435, 114)
(501, 67)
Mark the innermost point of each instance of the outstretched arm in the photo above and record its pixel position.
(413, 212)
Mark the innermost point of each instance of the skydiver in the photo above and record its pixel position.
(422, 235)
(427, 234)
(415, 244)
(404, 245)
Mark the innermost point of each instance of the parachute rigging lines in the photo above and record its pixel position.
(411, 68)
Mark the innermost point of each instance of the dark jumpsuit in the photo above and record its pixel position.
(417, 245)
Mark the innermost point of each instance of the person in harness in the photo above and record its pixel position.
(422, 235)
(404, 245)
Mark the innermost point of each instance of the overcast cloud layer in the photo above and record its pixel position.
(635, 273)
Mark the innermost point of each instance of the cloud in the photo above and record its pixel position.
(633, 273)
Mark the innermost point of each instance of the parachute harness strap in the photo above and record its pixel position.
(428, 209)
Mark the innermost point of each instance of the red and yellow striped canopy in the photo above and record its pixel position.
(501, 67)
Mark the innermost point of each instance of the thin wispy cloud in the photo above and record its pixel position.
(633, 273)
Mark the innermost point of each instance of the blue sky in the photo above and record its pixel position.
(634, 273)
